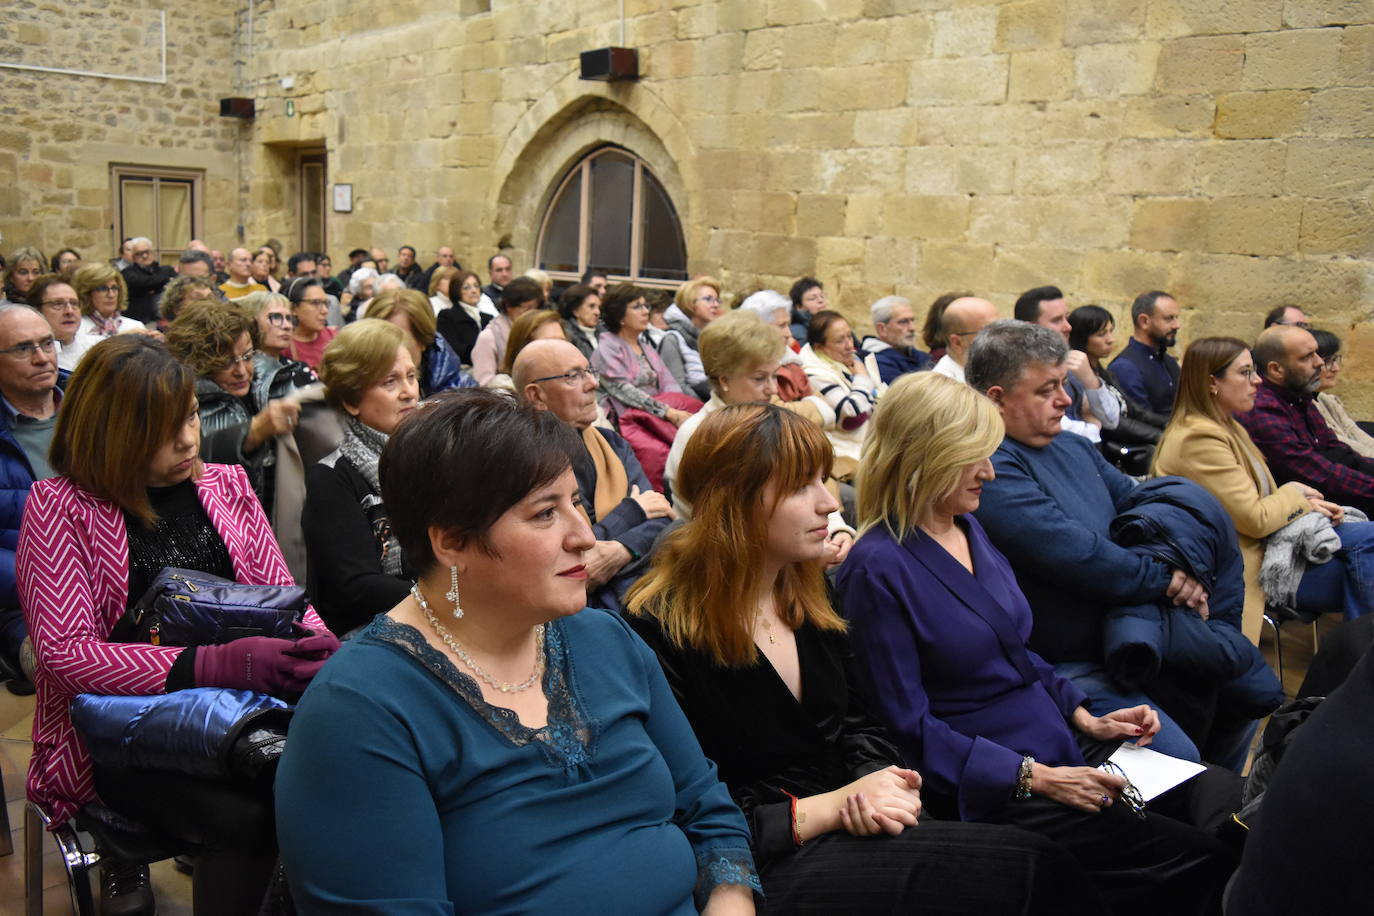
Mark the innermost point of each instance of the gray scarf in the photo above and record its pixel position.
(1287, 552)
(362, 446)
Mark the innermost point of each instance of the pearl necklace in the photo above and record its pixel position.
(458, 650)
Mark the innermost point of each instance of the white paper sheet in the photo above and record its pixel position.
(1151, 772)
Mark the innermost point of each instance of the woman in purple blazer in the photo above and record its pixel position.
(940, 627)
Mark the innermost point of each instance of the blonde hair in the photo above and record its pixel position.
(703, 578)
(417, 308)
(358, 358)
(926, 430)
(543, 279)
(97, 273)
(736, 343)
(439, 276)
(522, 332)
(685, 298)
(1205, 359)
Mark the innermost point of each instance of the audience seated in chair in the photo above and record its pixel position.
(941, 629)
(762, 667)
(1288, 429)
(485, 697)
(356, 566)
(1048, 510)
(133, 497)
(626, 514)
(1205, 443)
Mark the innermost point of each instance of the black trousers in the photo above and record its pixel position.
(936, 867)
(233, 828)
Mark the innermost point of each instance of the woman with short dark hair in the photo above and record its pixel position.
(1329, 405)
(1090, 331)
(132, 498)
(520, 296)
(839, 376)
(312, 332)
(580, 308)
(632, 374)
(518, 755)
(464, 320)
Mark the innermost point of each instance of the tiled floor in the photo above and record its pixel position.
(173, 889)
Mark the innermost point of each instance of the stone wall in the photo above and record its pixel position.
(59, 133)
(1221, 149)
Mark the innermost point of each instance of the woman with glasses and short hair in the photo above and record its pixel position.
(1206, 444)
(940, 626)
(1346, 428)
(356, 565)
(312, 333)
(104, 295)
(240, 415)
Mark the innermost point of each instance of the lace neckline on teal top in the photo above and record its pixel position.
(569, 738)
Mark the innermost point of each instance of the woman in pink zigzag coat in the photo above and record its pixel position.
(134, 497)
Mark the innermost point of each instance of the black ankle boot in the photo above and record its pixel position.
(125, 890)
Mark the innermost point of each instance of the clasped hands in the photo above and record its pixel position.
(884, 801)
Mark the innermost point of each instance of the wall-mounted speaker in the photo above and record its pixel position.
(237, 108)
(610, 64)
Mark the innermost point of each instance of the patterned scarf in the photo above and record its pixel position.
(362, 446)
(105, 327)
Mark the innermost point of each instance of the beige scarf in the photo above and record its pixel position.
(612, 483)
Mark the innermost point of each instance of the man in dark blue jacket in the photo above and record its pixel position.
(626, 513)
(1145, 370)
(30, 390)
(1049, 509)
(892, 351)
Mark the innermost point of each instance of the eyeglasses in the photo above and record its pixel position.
(279, 319)
(318, 303)
(1129, 793)
(234, 361)
(574, 377)
(26, 350)
(1333, 362)
(143, 253)
(715, 299)
(639, 307)
(61, 304)
(106, 289)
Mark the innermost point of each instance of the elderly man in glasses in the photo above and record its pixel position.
(30, 390)
(625, 512)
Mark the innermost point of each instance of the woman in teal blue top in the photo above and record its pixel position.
(501, 752)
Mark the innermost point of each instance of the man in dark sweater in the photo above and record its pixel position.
(145, 278)
(1049, 509)
(1145, 369)
(625, 511)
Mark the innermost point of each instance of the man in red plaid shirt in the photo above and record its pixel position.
(1289, 431)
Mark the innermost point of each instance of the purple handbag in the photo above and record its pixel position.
(186, 607)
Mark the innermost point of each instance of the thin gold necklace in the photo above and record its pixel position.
(458, 650)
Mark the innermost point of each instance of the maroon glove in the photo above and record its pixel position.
(316, 646)
(260, 663)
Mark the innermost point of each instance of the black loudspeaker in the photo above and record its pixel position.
(237, 108)
(610, 64)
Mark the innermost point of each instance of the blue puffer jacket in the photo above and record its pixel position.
(1182, 525)
(16, 476)
(441, 370)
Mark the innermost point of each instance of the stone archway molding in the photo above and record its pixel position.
(571, 119)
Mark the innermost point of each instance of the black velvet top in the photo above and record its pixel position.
(183, 537)
(763, 740)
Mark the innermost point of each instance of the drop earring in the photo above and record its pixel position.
(452, 593)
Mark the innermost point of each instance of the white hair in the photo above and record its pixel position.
(361, 276)
(766, 302)
(881, 311)
(387, 281)
(135, 241)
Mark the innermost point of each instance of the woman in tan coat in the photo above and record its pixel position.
(1204, 443)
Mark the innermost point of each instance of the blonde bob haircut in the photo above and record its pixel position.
(416, 307)
(926, 430)
(737, 342)
(703, 579)
(358, 358)
(439, 276)
(87, 277)
(686, 296)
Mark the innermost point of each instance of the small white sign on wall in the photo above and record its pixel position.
(343, 198)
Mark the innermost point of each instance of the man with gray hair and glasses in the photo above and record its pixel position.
(1049, 509)
(892, 352)
(30, 390)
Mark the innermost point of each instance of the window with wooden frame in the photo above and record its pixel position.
(161, 204)
(610, 212)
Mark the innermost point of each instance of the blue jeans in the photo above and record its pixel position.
(1344, 583)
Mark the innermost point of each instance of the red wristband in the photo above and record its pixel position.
(796, 836)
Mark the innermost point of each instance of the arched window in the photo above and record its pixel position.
(611, 213)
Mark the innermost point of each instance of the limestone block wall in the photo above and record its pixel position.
(59, 133)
